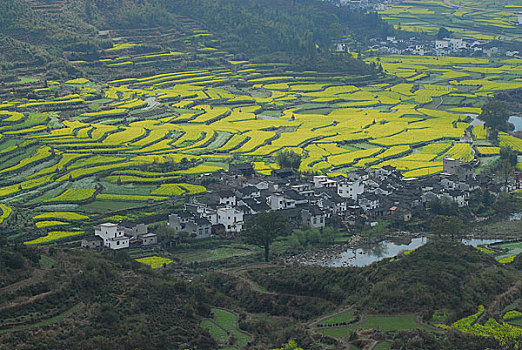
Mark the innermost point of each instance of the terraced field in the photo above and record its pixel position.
(472, 19)
(136, 141)
(383, 323)
(503, 332)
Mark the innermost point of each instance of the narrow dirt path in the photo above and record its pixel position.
(36, 277)
(322, 318)
(239, 272)
(44, 322)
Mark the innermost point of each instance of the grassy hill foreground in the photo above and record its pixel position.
(54, 299)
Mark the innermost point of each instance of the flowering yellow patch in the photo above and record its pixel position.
(61, 215)
(5, 212)
(154, 261)
(54, 236)
(74, 195)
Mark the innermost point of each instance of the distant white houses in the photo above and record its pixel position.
(342, 47)
(313, 217)
(441, 44)
(120, 236)
(193, 225)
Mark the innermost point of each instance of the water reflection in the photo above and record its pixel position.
(515, 217)
(378, 250)
(517, 122)
(387, 249)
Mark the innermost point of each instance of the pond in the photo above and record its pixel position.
(515, 217)
(517, 122)
(387, 249)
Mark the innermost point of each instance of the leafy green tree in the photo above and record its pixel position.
(442, 207)
(292, 345)
(506, 172)
(504, 204)
(495, 116)
(328, 235)
(444, 225)
(289, 159)
(264, 227)
(506, 165)
(508, 154)
(305, 238)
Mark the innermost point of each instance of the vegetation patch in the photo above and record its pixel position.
(61, 215)
(155, 261)
(54, 236)
(74, 195)
(224, 329)
(383, 323)
(5, 212)
(503, 332)
(344, 317)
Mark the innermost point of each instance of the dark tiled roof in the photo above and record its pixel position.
(226, 194)
(185, 214)
(127, 224)
(294, 195)
(202, 222)
(314, 210)
(248, 190)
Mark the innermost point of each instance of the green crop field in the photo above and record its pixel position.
(343, 317)
(217, 254)
(224, 329)
(509, 251)
(383, 323)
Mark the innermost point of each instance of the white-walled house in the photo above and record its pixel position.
(350, 189)
(368, 202)
(321, 181)
(231, 218)
(227, 197)
(134, 230)
(457, 43)
(313, 217)
(278, 201)
(441, 44)
(113, 236)
(190, 223)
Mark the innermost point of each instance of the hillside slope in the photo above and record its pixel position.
(439, 275)
(57, 299)
(41, 36)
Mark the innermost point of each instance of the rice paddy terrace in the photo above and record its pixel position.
(84, 151)
(472, 19)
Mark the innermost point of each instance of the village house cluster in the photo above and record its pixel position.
(357, 199)
(439, 47)
(118, 236)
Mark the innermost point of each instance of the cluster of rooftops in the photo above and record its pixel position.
(360, 197)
